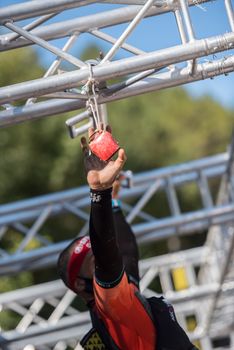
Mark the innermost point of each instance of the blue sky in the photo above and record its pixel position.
(160, 32)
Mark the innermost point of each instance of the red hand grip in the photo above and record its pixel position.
(103, 145)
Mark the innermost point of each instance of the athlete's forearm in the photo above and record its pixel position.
(108, 261)
(127, 244)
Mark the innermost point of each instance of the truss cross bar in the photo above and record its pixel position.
(22, 228)
(118, 68)
(45, 45)
(72, 208)
(113, 40)
(55, 65)
(144, 199)
(205, 191)
(230, 13)
(34, 229)
(161, 81)
(31, 316)
(23, 311)
(172, 197)
(31, 26)
(38, 7)
(180, 25)
(223, 275)
(128, 31)
(187, 19)
(61, 307)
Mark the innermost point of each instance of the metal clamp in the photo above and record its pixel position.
(72, 122)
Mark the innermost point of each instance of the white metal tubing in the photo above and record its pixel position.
(38, 7)
(73, 121)
(32, 232)
(32, 25)
(144, 199)
(174, 77)
(158, 3)
(113, 40)
(159, 81)
(206, 216)
(163, 231)
(14, 263)
(187, 19)
(127, 31)
(86, 23)
(180, 25)
(39, 110)
(119, 68)
(55, 65)
(230, 13)
(81, 24)
(182, 173)
(205, 191)
(41, 201)
(69, 327)
(228, 263)
(45, 45)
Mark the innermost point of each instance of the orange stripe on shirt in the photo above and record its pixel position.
(125, 317)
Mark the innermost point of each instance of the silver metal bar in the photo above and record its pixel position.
(158, 3)
(127, 31)
(113, 40)
(206, 216)
(76, 211)
(85, 23)
(142, 215)
(33, 230)
(144, 199)
(130, 81)
(172, 197)
(187, 19)
(189, 30)
(61, 307)
(230, 13)
(72, 122)
(82, 24)
(55, 65)
(31, 26)
(119, 68)
(38, 7)
(180, 26)
(212, 166)
(205, 191)
(45, 45)
(31, 315)
(175, 77)
(221, 281)
(21, 228)
(165, 280)
(161, 81)
(148, 277)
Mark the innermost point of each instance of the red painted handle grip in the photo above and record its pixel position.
(103, 145)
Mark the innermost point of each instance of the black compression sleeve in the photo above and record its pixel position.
(108, 260)
(127, 244)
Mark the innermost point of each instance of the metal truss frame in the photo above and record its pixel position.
(207, 296)
(29, 216)
(149, 71)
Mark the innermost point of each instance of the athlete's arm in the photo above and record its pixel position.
(100, 177)
(108, 260)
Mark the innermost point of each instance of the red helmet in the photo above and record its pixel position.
(78, 254)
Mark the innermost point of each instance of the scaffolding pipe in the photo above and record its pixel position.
(118, 68)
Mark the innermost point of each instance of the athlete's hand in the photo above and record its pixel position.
(101, 175)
